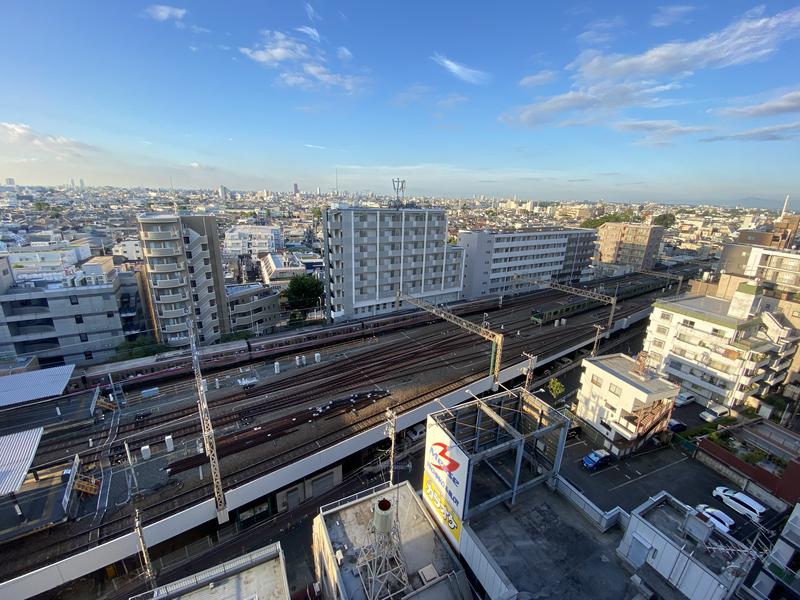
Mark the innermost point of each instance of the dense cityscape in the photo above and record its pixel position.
(333, 380)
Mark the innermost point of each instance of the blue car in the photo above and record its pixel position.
(596, 460)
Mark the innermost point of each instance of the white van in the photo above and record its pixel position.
(713, 412)
(416, 432)
(741, 503)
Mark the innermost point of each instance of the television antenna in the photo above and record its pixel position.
(399, 186)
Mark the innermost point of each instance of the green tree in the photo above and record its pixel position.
(304, 291)
(555, 387)
(629, 216)
(145, 345)
(666, 220)
(316, 213)
(236, 335)
(41, 206)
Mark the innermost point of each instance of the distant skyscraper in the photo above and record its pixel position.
(82, 186)
(10, 181)
(72, 184)
(296, 189)
(223, 192)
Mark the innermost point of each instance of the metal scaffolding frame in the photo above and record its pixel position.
(486, 333)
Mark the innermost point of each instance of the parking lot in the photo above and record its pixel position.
(629, 482)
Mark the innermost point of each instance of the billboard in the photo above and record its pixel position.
(445, 479)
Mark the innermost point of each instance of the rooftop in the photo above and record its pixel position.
(34, 385)
(232, 290)
(16, 456)
(707, 308)
(260, 575)
(347, 523)
(624, 367)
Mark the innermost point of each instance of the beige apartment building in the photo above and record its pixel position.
(631, 244)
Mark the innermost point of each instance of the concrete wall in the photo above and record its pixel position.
(484, 567)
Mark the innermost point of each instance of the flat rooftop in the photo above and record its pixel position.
(260, 575)
(347, 525)
(34, 385)
(624, 368)
(547, 549)
(703, 307)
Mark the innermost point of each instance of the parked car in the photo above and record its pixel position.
(676, 426)
(741, 503)
(416, 432)
(713, 412)
(717, 518)
(596, 459)
(684, 398)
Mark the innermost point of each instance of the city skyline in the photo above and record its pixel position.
(677, 103)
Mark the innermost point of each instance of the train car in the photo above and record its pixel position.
(560, 309)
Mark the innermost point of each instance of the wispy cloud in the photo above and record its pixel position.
(312, 14)
(20, 137)
(413, 93)
(451, 101)
(198, 29)
(539, 78)
(788, 103)
(164, 12)
(668, 15)
(658, 132)
(310, 32)
(463, 72)
(773, 133)
(343, 53)
(601, 31)
(315, 147)
(194, 48)
(276, 47)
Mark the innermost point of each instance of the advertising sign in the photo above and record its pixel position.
(441, 510)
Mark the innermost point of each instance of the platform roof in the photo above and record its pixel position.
(34, 385)
(16, 456)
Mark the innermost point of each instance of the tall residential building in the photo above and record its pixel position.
(184, 276)
(252, 240)
(723, 350)
(631, 244)
(79, 319)
(494, 259)
(372, 253)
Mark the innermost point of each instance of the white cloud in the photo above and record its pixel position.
(773, 133)
(601, 31)
(788, 103)
(19, 137)
(198, 29)
(539, 78)
(451, 101)
(163, 12)
(751, 38)
(276, 48)
(194, 48)
(658, 131)
(310, 32)
(312, 14)
(667, 15)
(463, 72)
(348, 83)
(194, 165)
(315, 147)
(343, 53)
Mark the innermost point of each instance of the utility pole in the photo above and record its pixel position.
(148, 566)
(599, 328)
(390, 431)
(130, 464)
(208, 430)
(529, 372)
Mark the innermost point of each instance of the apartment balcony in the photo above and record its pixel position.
(170, 268)
(171, 298)
(25, 311)
(780, 364)
(160, 252)
(699, 380)
(772, 378)
(160, 235)
(782, 573)
(756, 361)
(180, 328)
(173, 314)
(169, 283)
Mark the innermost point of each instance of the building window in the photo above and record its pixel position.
(88, 355)
(208, 275)
(186, 239)
(214, 316)
(597, 381)
(662, 330)
(110, 315)
(665, 316)
(73, 300)
(206, 262)
(688, 323)
(78, 319)
(658, 343)
(211, 289)
(204, 247)
(615, 389)
(188, 255)
(195, 298)
(84, 337)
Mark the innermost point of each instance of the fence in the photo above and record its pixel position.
(604, 520)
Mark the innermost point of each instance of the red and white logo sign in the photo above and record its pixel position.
(447, 463)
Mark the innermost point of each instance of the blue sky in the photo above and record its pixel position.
(620, 101)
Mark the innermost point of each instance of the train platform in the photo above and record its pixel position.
(40, 501)
(54, 414)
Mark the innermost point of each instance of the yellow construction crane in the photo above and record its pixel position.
(484, 332)
(612, 300)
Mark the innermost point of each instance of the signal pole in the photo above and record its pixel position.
(148, 566)
(390, 431)
(599, 328)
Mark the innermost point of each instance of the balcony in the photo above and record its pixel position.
(24, 311)
(169, 283)
(782, 573)
(170, 268)
(171, 298)
(160, 235)
(162, 252)
(173, 314)
(181, 328)
(30, 330)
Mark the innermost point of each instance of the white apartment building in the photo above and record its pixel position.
(277, 270)
(129, 249)
(42, 260)
(184, 277)
(494, 260)
(252, 239)
(769, 265)
(252, 307)
(624, 400)
(723, 350)
(372, 253)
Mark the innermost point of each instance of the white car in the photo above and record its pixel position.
(713, 412)
(717, 518)
(741, 503)
(684, 398)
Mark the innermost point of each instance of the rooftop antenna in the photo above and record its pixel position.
(785, 206)
(399, 186)
(381, 563)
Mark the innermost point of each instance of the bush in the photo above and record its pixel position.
(142, 346)
(236, 335)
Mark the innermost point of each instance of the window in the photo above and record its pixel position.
(84, 337)
(78, 319)
(186, 239)
(188, 255)
(597, 381)
(204, 247)
(615, 389)
(662, 330)
(73, 300)
(206, 262)
(688, 323)
(195, 298)
(208, 275)
(88, 355)
(191, 269)
(658, 343)
(665, 316)
(110, 315)
(211, 289)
